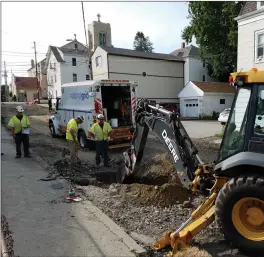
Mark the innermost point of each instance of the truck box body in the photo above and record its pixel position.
(116, 99)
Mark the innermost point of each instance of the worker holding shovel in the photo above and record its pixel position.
(71, 136)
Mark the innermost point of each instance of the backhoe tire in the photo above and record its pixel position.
(239, 213)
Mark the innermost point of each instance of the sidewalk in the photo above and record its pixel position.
(43, 225)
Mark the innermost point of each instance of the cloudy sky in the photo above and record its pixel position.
(51, 23)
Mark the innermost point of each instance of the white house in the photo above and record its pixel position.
(160, 77)
(199, 99)
(250, 53)
(65, 64)
(42, 77)
(194, 68)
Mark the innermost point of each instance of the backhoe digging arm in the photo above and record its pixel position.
(167, 126)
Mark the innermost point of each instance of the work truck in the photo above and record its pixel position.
(115, 99)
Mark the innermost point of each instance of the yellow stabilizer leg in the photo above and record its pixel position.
(200, 218)
(181, 240)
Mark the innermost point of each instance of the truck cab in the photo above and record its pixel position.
(115, 99)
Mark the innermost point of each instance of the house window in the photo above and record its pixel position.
(203, 63)
(102, 39)
(74, 77)
(87, 77)
(259, 46)
(203, 77)
(222, 101)
(75, 46)
(73, 61)
(98, 61)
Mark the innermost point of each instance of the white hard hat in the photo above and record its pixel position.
(81, 118)
(19, 109)
(100, 116)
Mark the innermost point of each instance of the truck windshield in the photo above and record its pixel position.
(233, 140)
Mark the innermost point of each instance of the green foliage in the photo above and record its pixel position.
(215, 30)
(221, 133)
(142, 43)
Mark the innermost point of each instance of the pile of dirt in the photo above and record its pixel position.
(193, 252)
(165, 195)
(156, 183)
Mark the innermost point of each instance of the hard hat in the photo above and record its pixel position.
(19, 109)
(80, 117)
(100, 116)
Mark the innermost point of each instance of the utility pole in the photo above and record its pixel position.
(5, 74)
(36, 64)
(88, 49)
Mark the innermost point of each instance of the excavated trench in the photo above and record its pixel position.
(155, 184)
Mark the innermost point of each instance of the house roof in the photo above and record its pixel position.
(248, 7)
(215, 87)
(25, 82)
(64, 49)
(190, 50)
(67, 50)
(56, 53)
(133, 53)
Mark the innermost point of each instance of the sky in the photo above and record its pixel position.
(51, 23)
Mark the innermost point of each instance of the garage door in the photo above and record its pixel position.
(191, 108)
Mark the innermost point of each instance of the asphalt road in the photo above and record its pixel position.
(202, 128)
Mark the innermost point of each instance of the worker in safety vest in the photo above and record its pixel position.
(20, 125)
(71, 136)
(101, 131)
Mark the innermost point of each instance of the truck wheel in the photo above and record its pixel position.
(239, 213)
(82, 139)
(52, 130)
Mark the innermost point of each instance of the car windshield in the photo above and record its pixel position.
(233, 139)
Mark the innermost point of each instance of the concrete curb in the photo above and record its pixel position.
(116, 229)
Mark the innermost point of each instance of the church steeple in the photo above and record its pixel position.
(98, 16)
(99, 34)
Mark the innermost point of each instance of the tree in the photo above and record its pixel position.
(212, 24)
(142, 43)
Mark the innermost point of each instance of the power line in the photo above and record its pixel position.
(19, 52)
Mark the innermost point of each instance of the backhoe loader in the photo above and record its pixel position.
(233, 186)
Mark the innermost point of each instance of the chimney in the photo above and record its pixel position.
(182, 45)
(32, 63)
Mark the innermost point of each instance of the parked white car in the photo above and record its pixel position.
(223, 116)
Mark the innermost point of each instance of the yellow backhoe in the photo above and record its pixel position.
(233, 186)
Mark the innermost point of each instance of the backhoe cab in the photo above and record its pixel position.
(234, 185)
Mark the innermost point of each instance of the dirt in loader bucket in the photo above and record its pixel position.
(156, 183)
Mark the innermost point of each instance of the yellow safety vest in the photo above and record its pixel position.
(101, 134)
(72, 124)
(17, 124)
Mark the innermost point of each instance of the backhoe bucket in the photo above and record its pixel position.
(121, 173)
